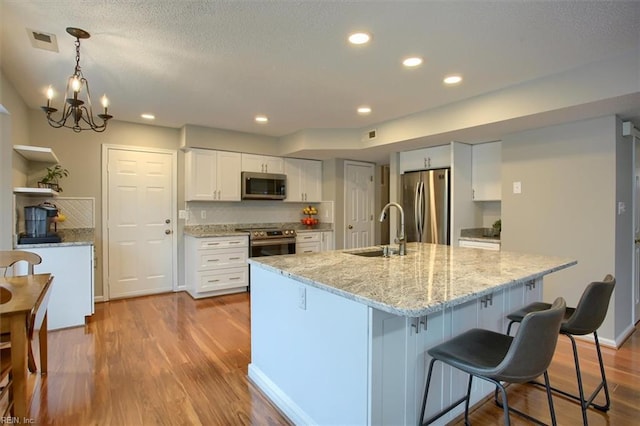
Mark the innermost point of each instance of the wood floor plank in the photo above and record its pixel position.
(171, 360)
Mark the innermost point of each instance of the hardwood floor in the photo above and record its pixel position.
(171, 360)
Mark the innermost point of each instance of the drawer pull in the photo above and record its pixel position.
(234, 242)
(234, 258)
(214, 281)
(213, 244)
(213, 260)
(234, 278)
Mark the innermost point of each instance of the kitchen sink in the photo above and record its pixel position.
(372, 253)
(368, 253)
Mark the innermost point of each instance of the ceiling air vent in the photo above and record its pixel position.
(42, 40)
(372, 134)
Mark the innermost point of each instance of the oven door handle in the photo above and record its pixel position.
(273, 242)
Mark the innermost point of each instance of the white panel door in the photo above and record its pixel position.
(636, 259)
(140, 222)
(358, 204)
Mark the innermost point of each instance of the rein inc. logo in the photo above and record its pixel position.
(17, 421)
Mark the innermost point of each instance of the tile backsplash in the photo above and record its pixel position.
(79, 211)
(253, 211)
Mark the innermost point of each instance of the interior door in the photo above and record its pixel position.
(140, 220)
(359, 204)
(636, 258)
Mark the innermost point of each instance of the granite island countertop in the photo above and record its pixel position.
(428, 279)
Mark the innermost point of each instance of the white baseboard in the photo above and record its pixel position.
(609, 343)
(281, 400)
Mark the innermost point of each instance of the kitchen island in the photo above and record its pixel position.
(338, 338)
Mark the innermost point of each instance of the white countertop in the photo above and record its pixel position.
(429, 278)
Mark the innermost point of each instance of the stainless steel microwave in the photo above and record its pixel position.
(263, 186)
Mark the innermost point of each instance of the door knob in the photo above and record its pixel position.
(167, 221)
(167, 231)
(350, 226)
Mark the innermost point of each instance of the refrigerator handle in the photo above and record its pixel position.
(416, 212)
(421, 211)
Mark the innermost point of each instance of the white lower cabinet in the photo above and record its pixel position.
(71, 297)
(326, 242)
(400, 361)
(308, 242)
(216, 265)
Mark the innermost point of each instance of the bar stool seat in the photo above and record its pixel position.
(497, 358)
(585, 318)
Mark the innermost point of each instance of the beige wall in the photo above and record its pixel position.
(567, 206)
(14, 130)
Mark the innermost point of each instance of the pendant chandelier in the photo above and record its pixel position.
(77, 113)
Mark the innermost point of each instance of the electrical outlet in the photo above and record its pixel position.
(302, 298)
(517, 187)
(182, 214)
(203, 214)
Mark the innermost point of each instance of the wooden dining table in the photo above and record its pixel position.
(25, 291)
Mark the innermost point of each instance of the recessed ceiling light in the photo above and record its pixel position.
(148, 116)
(452, 79)
(359, 38)
(364, 110)
(261, 119)
(413, 61)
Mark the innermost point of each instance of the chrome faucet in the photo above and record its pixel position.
(400, 239)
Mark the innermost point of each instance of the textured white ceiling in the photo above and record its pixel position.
(219, 63)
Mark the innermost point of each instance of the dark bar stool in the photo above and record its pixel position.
(584, 319)
(497, 358)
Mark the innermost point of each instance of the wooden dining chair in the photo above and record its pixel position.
(6, 383)
(9, 258)
(38, 316)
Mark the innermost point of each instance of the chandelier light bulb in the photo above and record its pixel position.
(50, 93)
(75, 84)
(105, 101)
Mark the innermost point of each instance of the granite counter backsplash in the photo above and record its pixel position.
(479, 234)
(219, 230)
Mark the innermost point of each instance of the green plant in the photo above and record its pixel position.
(497, 226)
(52, 177)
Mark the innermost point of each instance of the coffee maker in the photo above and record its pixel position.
(40, 225)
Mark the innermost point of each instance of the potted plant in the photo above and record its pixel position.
(51, 179)
(497, 227)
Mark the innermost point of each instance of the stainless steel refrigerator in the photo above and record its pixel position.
(425, 200)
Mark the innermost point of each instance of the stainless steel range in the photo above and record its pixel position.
(270, 241)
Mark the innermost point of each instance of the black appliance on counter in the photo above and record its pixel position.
(270, 241)
(40, 225)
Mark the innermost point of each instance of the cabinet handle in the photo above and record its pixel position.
(302, 196)
(486, 300)
(213, 244)
(234, 242)
(234, 278)
(213, 260)
(213, 281)
(234, 258)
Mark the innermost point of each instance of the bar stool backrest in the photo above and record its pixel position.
(533, 346)
(591, 309)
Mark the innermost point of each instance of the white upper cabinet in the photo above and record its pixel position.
(436, 157)
(262, 163)
(304, 180)
(486, 171)
(212, 175)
